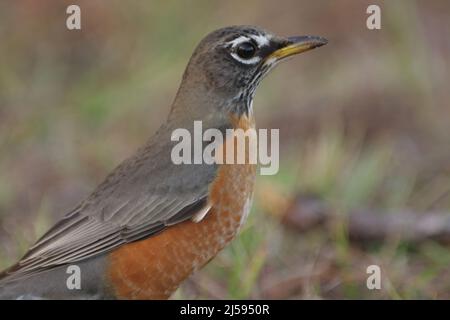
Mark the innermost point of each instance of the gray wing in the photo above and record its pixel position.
(138, 199)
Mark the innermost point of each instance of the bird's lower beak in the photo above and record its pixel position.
(295, 45)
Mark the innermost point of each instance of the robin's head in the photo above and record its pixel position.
(229, 63)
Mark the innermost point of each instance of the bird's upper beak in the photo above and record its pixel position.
(295, 45)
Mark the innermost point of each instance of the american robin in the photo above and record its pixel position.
(152, 223)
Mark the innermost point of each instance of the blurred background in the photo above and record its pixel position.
(364, 131)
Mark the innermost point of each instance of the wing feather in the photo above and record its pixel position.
(139, 199)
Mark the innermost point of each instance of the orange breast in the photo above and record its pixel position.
(153, 268)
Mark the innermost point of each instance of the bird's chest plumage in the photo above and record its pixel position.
(154, 268)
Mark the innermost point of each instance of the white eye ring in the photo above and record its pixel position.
(253, 60)
(261, 40)
(234, 43)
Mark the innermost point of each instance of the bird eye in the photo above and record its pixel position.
(246, 50)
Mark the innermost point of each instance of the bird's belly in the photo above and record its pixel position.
(153, 268)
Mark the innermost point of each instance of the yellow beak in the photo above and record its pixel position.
(297, 45)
